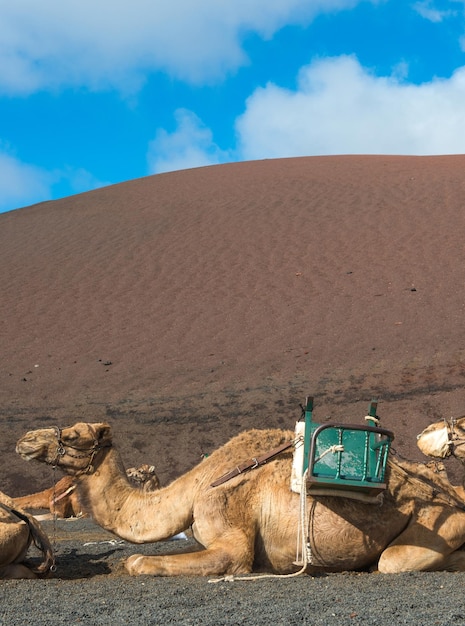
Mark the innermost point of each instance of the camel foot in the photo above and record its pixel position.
(133, 564)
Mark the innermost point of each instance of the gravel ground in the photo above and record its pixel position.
(90, 586)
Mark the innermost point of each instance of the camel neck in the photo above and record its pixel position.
(117, 506)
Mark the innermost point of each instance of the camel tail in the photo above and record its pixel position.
(40, 539)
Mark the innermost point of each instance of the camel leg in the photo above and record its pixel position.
(216, 560)
(420, 549)
(455, 562)
(15, 571)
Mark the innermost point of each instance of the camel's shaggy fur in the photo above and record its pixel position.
(250, 523)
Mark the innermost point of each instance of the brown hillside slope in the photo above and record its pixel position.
(187, 306)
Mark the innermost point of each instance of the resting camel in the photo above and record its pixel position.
(63, 501)
(443, 439)
(143, 477)
(250, 523)
(17, 531)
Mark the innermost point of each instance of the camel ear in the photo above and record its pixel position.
(103, 433)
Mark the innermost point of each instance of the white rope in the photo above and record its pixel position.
(305, 550)
(370, 418)
(301, 539)
(336, 448)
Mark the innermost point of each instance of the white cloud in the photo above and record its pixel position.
(340, 108)
(21, 184)
(78, 179)
(190, 145)
(429, 10)
(51, 44)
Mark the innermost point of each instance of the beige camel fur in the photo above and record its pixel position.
(250, 523)
(439, 439)
(62, 499)
(143, 477)
(443, 439)
(17, 531)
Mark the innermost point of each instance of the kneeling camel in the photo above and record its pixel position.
(17, 531)
(62, 500)
(250, 522)
(444, 438)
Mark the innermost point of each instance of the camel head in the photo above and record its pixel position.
(74, 449)
(144, 476)
(444, 438)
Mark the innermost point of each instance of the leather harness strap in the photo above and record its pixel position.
(252, 464)
(13, 511)
(62, 495)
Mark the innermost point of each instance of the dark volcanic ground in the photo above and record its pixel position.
(90, 587)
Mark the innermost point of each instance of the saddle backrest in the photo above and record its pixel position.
(342, 457)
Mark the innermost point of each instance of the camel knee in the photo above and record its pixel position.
(387, 566)
(392, 561)
(398, 559)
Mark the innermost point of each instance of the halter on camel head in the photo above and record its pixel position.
(63, 449)
(441, 442)
(455, 440)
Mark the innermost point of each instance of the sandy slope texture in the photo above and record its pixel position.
(187, 306)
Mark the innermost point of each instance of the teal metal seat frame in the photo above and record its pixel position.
(347, 457)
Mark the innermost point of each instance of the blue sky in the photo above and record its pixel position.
(94, 92)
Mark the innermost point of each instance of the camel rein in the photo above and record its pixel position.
(252, 463)
(38, 537)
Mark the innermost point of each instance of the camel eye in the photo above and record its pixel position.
(71, 437)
